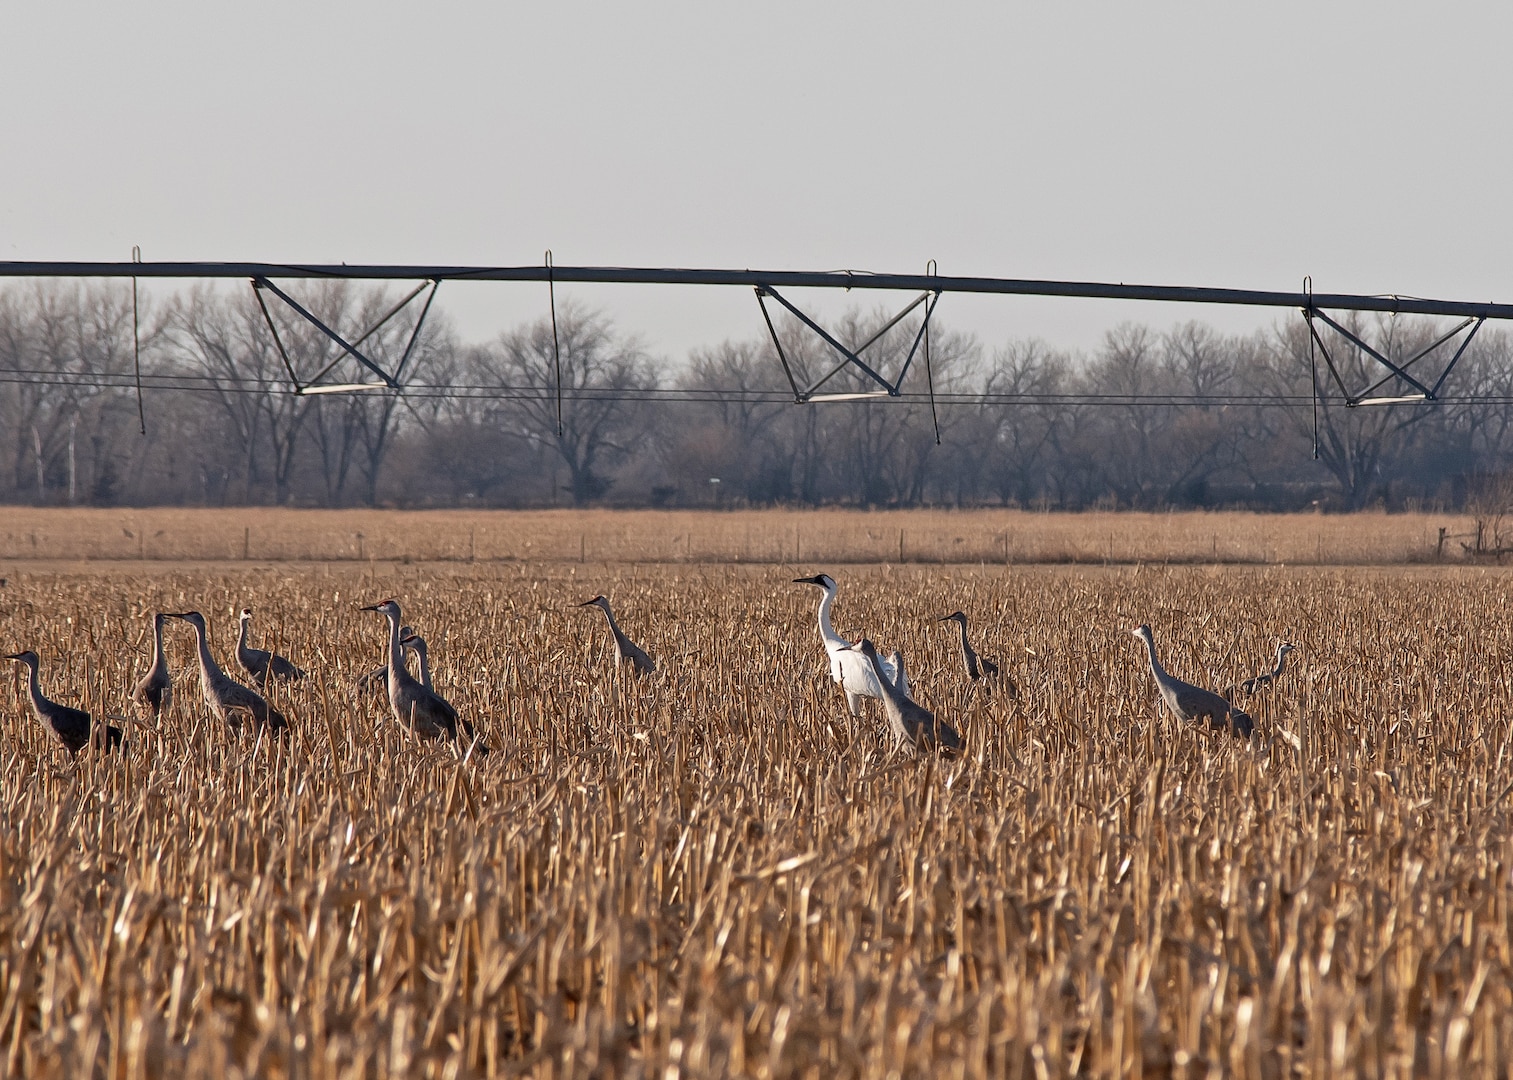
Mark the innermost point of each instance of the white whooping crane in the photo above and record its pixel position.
(849, 668)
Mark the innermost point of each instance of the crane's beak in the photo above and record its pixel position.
(13, 656)
(589, 603)
(807, 581)
(370, 607)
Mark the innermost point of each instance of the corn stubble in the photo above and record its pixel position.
(715, 870)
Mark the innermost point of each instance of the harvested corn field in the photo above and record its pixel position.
(715, 870)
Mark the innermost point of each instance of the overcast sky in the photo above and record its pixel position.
(1204, 144)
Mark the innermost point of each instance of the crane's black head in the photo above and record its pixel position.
(955, 616)
(600, 599)
(1286, 647)
(246, 613)
(824, 581)
(384, 607)
(412, 640)
(1143, 631)
(866, 648)
(193, 618)
(28, 657)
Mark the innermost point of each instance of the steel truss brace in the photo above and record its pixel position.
(849, 357)
(348, 348)
(1398, 371)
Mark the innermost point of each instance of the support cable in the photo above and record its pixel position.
(551, 292)
(136, 341)
(257, 291)
(799, 397)
(415, 333)
(1313, 359)
(929, 373)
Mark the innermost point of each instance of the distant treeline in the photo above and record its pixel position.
(1021, 424)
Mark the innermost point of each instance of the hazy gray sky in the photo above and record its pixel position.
(1234, 145)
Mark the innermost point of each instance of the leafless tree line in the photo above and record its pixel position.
(1185, 417)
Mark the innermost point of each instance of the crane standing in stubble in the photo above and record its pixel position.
(626, 650)
(70, 726)
(229, 700)
(155, 689)
(415, 705)
(260, 663)
(1188, 702)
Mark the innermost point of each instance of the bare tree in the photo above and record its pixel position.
(1360, 446)
(1024, 439)
(604, 380)
(225, 341)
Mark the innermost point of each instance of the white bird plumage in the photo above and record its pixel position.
(849, 668)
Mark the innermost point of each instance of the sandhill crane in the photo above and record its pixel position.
(1250, 686)
(416, 706)
(1188, 702)
(911, 722)
(379, 676)
(626, 650)
(260, 663)
(229, 700)
(155, 690)
(848, 668)
(413, 642)
(70, 726)
(978, 667)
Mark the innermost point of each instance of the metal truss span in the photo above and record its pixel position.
(767, 279)
(1408, 387)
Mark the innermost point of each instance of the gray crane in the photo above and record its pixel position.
(911, 722)
(379, 676)
(415, 705)
(260, 663)
(1190, 703)
(70, 726)
(1250, 686)
(626, 650)
(229, 700)
(979, 667)
(154, 691)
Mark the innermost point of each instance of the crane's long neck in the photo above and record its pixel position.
(1156, 669)
(622, 642)
(425, 666)
(34, 688)
(890, 692)
(966, 650)
(1281, 659)
(396, 651)
(157, 644)
(827, 631)
(209, 669)
(241, 638)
